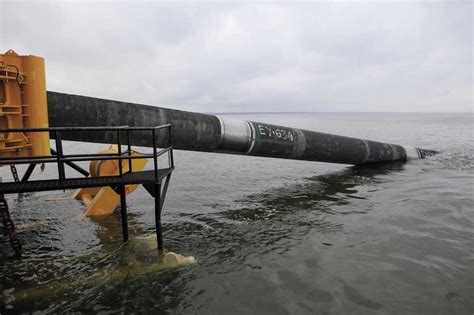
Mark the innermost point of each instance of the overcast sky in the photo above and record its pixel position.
(270, 56)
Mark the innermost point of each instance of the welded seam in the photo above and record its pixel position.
(300, 146)
(367, 148)
(411, 153)
(221, 121)
(252, 137)
(395, 155)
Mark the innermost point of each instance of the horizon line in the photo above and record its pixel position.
(338, 112)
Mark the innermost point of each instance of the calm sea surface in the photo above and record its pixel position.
(270, 236)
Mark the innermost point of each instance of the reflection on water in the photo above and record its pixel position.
(270, 236)
(318, 193)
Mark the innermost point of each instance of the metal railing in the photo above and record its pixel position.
(60, 158)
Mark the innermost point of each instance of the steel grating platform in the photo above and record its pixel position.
(155, 181)
(143, 177)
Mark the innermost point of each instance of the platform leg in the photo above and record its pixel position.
(123, 213)
(158, 205)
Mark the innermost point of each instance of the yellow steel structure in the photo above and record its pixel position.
(23, 105)
(104, 200)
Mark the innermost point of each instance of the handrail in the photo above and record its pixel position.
(98, 128)
(53, 156)
(92, 128)
(60, 158)
(92, 157)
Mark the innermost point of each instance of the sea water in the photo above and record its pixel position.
(270, 236)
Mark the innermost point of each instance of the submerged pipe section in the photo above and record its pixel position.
(210, 133)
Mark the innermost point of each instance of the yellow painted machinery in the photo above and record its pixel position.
(23, 105)
(104, 200)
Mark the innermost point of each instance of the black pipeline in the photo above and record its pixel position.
(210, 133)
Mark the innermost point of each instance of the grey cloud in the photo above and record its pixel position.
(323, 56)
